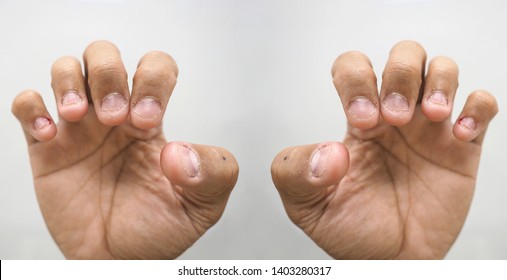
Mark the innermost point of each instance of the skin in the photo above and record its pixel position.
(401, 183)
(108, 184)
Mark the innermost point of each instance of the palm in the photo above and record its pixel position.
(108, 184)
(406, 194)
(103, 194)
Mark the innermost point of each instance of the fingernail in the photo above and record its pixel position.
(41, 122)
(148, 108)
(395, 102)
(113, 102)
(438, 98)
(468, 122)
(71, 98)
(361, 107)
(190, 161)
(318, 162)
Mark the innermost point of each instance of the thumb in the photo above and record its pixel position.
(205, 174)
(303, 173)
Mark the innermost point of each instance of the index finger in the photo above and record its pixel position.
(356, 83)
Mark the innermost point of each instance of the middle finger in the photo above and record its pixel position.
(107, 81)
(401, 82)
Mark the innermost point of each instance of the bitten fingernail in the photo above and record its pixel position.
(147, 108)
(395, 102)
(438, 98)
(41, 122)
(113, 103)
(361, 107)
(189, 160)
(71, 98)
(468, 122)
(318, 162)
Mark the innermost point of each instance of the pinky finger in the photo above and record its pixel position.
(28, 107)
(479, 110)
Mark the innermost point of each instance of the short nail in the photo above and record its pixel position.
(71, 98)
(41, 122)
(395, 102)
(113, 102)
(318, 162)
(468, 122)
(147, 108)
(189, 160)
(361, 107)
(438, 98)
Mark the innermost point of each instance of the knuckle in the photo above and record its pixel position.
(99, 44)
(280, 172)
(24, 101)
(444, 66)
(231, 176)
(409, 44)
(63, 72)
(446, 71)
(160, 61)
(354, 75)
(352, 55)
(157, 54)
(348, 57)
(154, 72)
(403, 69)
(414, 47)
(65, 67)
(277, 175)
(65, 61)
(485, 100)
(230, 166)
(108, 69)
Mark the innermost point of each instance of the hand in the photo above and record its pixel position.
(401, 184)
(107, 183)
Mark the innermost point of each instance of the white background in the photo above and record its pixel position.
(254, 78)
(155, 270)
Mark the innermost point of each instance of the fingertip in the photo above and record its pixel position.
(24, 101)
(396, 119)
(396, 109)
(147, 113)
(109, 120)
(113, 109)
(108, 82)
(362, 113)
(43, 128)
(207, 171)
(301, 171)
(349, 56)
(68, 85)
(157, 56)
(153, 84)
(409, 45)
(328, 163)
(440, 86)
(480, 108)
(401, 82)
(436, 107)
(98, 44)
(465, 129)
(73, 107)
(28, 107)
(486, 102)
(356, 84)
(180, 163)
